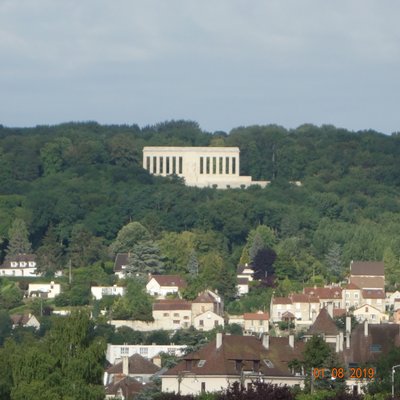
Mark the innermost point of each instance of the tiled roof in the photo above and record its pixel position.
(338, 312)
(247, 349)
(369, 268)
(241, 268)
(129, 387)
(288, 314)
(282, 300)
(121, 259)
(259, 316)
(366, 282)
(323, 324)
(172, 304)
(380, 340)
(169, 280)
(20, 319)
(204, 297)
(137, 365)
(324, 292)
(351, 286)
(18, 258)
(373, 294)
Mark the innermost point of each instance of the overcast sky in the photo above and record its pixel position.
(222, 63)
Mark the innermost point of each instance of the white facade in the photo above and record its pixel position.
(50, 290)
(200, 166)
(153, 288)
(99, 291)
(115, 352)
(207, 321)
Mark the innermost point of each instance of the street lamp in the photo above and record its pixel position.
(393, 371)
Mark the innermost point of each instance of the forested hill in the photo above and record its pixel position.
(85, 181)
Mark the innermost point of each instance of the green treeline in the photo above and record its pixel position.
(76, 185)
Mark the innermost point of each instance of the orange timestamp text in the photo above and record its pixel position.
(339, 373)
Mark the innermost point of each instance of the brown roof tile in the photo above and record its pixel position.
(172, 304)
(323, 324)
(365, 282)
(369, 268)
(324, 292)
(258, 316)
(129, 387)
(136, 365)
(282, 300)
(247, 349)
(373, 294)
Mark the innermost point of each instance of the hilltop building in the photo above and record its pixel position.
(200, 166)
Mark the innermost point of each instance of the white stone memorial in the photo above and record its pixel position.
(200, 166)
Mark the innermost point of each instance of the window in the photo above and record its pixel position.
(201, 165)
(356, 295)
(207, 165)
(220, 165)
(347, 295)
(214, 165)
(203, 387)
(268, 363)
(216, 323)
(180, 165)
(185, 317)
(249, 385)
(124, 351)
(201, 322)
(166, 314)
(176, 314)
(144, 351)
(238, 365)
(233, 165)
(176, 321)
(376, 348)
(201, 363)
(373, 316)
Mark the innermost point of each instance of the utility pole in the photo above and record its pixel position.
(70, 271)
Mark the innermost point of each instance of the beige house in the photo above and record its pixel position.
(231, 358)
(255, 323)
(326, 295)
(162, 285)
(207, 301)
(207, 321)
(44, 290)
(370, 313)
(279, 306)
(368, 274)
(351, 296)
(172, 314)
(375, 298)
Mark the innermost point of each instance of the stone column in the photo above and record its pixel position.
(157, 165)
(217, 165)
(237, 166)
(151, 164)
(223, 165)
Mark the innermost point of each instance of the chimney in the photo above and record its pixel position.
(341, 340)
(291, 341)
(218, 340)
(347, 340)
(330, 309)
(125, 365)
(348, 324)
(337, 344)
(265, 341)
(366, 328)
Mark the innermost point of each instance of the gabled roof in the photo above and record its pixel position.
(18, 258)
(121, 260)
(169, 280)
(323, 324)
(241, 268)
(368, 282)
(205, 297)
(282, 300)
(367, 268)
(373, 294)
(380, 340)
(303, 298)
(136, 365)
(351, 286)
(20, 319)
(257, 316)
(324, 292)
(368, 306)
(248, 350)
(338, 312)
(172, 304)
(128, 386)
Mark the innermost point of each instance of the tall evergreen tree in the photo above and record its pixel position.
(145, 259)
(334, 260)
(193, 264)
(50, 252)
(18, 239)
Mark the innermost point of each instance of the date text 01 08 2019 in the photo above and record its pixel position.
(339, 373)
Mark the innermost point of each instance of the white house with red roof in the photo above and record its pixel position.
(162, 285)
(23, 265)
(255, 322)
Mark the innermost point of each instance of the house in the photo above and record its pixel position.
(370, 313)
(326, 295)
(207, 321)
(368, 274)
(255, 323)
(115, 352)
(325, 326)
(20, 265)
(172, 314)
(391, 297)
(99, 291)
(124, 389)
(121, 264)
(44, 290)
(25, 321)
(232, 358)
(242, 286)
(244, 275)
(135, 366)
(280, 305)
(162, 285)
(374, 297)
(351, 296)
(207, 301)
